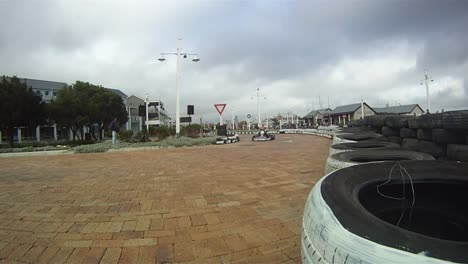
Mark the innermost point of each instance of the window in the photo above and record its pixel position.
(46, 92)
(55, 93)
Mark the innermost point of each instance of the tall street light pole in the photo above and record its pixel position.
(178, 53)
(426, 81)
(258, 106)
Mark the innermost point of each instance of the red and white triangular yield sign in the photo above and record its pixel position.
(220, 108)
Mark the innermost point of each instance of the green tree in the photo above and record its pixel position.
(19, 106)
(106, 106)
(275, 121)
(85, 104)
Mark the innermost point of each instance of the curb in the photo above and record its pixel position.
(37, 153)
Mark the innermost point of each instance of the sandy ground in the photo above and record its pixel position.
(240, 202)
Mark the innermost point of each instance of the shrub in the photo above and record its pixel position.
(141, 137)
(93, 148)
(192, 131)
(161, 132)
(126, 135)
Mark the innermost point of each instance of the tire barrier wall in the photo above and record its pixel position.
(430, 133)
(322, 132)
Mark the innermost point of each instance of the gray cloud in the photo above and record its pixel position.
(295, 51)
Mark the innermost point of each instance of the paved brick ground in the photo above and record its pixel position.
(218, 204)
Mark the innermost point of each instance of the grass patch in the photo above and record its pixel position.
(169, 142)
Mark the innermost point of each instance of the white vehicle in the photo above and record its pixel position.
(230, 138)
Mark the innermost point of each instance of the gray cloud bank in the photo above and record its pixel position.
(294, 51)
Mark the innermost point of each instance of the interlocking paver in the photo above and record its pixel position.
(111, 256)
(241, 202)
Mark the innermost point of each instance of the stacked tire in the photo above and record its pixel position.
(442, 135)
(363, 145)
(346, 159)
(356, 137)
(361, 214)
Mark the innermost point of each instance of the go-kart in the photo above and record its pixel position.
(229, 138)
(263, 136)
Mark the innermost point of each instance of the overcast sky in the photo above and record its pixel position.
(294, 51)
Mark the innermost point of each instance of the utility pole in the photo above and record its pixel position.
(258, 106)
(362, 108)
(426, 81)
(146, 104)
(233, 124)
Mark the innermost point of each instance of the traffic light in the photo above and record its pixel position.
(142, 110)
(190, 110)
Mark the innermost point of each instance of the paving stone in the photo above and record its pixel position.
(33, 254)
(128, 255)
(47, 254)
(111, 256)
(19, 251)
(78, 256)
(178, 203)
(94, 256)
(183, 252)
(62, 255)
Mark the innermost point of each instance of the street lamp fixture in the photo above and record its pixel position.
(184, 55)
(258, 104)
(426, 81)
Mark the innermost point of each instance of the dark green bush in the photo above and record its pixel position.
(125, 135)
(161, 132)
(192, 131)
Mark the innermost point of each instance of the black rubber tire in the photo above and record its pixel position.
(358, 123)
(410, 144)
(397, 121)
(407, 133)
(354, 130)
(350, 158)
(430, 121)
(377, 120)
(444, 136)
(343, 147)
(413, 122)
(395, 140)
(455, 120)
(424, 134)
(253, 138)
(359, 136)
(389, 132)
(431, 148)
(358, 208)
(457, 152)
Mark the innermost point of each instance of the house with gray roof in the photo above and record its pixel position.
(47, 89)
(317, 117)
(345, 113)
(411, 109)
